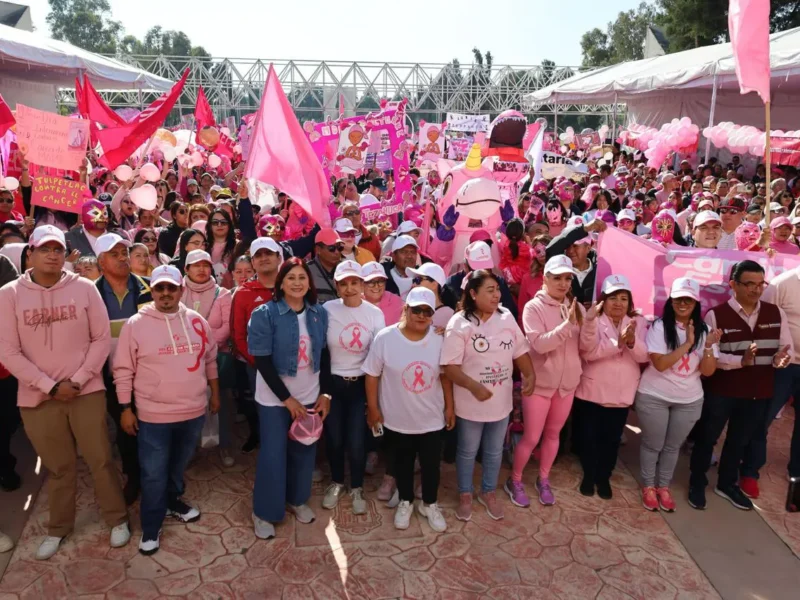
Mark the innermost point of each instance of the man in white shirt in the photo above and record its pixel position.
(404, 256)
(731, 211)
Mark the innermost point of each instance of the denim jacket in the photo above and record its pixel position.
(273, 331)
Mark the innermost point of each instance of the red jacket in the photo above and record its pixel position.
(245, 300)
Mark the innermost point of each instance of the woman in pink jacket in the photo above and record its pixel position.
(202, 294)
(552, 324)
(613, 347)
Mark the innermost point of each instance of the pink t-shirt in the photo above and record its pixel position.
(392, 307)
(486, 352)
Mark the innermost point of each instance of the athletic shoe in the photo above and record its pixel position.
(302, 513)
(227, 460)
(546, 496)
(332, 495)
(587, 487)
(183, 512)
(148, 547)
(251, 444)
(516, 491)
(493, 508)
(264, 530)
(372, 463)
(120, 535)
(402, 516)
(749, 487)
(6, 543)
(359, 504)
(387, 488)
(464, 510)
(435, 516)
(394, 501)
(649, 498)
(48, 547)
(665, 500)
(697, 497)
(604, 490)
(735, 496)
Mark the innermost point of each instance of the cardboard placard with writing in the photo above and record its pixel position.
(51, 140)
(56, 193)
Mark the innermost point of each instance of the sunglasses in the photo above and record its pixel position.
(729, 211)
(422, 310)
(219, 222)
(147, 240)
(419, 279)
(6, 201)
(181, 211)
(334, 248)
(351, 213)
(347, 234)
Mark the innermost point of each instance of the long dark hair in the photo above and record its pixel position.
(474, 281)
(183, 240)
(671, 330)
(288, 265)
(230, 240)
(515, 232)
(173, 210)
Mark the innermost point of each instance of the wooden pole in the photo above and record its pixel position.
(768, 159)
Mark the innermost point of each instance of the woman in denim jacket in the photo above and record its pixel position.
(286, 336)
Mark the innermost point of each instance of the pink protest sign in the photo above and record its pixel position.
(431, 142)
(51, 140)
(459, 148)
(351, 154)
(651, 268)
(59, 194)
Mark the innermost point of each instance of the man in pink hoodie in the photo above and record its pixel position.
(55, 338)
(167, 358)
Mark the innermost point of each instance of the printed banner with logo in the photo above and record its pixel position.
(555, 165)
(784, 151)
(469, 123)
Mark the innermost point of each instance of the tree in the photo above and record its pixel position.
(85, 23)
(708, 23)
(622, 40)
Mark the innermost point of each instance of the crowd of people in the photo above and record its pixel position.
(352, 335)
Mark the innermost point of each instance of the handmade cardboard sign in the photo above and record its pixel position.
(56, 193)
(51, 140)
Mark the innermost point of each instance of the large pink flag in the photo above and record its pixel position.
(748, 22)
(282, 156)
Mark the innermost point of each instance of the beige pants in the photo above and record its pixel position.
(53, 428)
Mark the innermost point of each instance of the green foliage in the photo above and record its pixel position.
(622, 40)
(85, 23)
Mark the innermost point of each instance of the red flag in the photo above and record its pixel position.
(7, 119)
(120, 142)
(204, 117)
(96, 109)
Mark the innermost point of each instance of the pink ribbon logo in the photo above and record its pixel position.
(197, 325)
(302, 357)
(356, 338)
(684, 366)
(419, 380)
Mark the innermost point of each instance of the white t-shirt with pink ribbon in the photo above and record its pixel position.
(350, 333)
(410, 393)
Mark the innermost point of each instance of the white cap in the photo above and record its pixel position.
(264, 243)
(615, 283)
(420, 296)
(431, 270)
(705, 202)
(343, 225)
(558, 265)
(107, 241)
(626, 213)
(707, 216)
(196, 256)
(796, 220)
(373, 270)
(215, 188)
(347, 268)
(774, 206)
(407, 227)
(47, 233)
(684, 287)
(166, 274)
(479, 256)
(401, 241)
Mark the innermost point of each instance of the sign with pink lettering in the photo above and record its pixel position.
(51, 140)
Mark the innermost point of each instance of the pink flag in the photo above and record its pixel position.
(7, 119)
(96, 109)
(748, 22)
(282, 156)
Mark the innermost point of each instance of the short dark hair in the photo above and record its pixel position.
(745, 266)
(288, 265)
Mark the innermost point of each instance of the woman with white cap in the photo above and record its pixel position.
(669, 400)
(352, 251)
(352, 326)
(407, 400)
(431, 276)
(405, 228)
(552, 324)
(612, 346)
(375, 292)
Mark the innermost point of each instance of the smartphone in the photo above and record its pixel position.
(793, 495)
(377, 431)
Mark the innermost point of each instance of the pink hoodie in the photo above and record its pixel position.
(156, 364)
(48, 335)
(610, 374)
(554, 345)
(214, 305)
(392, 307)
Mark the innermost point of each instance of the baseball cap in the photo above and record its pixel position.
(667, 177)
(373, 270)
(779, 222)
(705, 202)
(479, 256)
(347, 268)
(343, 225)
(626, 214)
(558, 265)
(615, 283)
(107, 241)
(622, 170)
(480, 235)
(683, 287)
(408, 227)
(166, 274)
(327, 236)
(753, 208)
(264, 243)
(796, 221)
(191, 182)
(380, 183)
(105, 197)
(707, 216)
(224, 193)
(47, 233)
(420, 296)
(774, 206)
(401, 241)
(431, 270)
(687, 178)
(735, 202)
(196, 256)
(215, 188)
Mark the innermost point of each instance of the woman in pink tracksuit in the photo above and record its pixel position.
(613, 347)
(552, 324)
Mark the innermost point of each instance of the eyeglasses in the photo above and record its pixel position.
(147, 239)
(375, 283)
(419, 279)
(751, 286)
(422, 310)
(729, 211)
(351, 213)
(57, 250)
(219, 222)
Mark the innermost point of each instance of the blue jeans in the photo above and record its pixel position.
(165, 450)
(473, 435)
(346, 427)
(787, 384)
(284, 468)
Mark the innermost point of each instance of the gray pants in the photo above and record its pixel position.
(665, 426)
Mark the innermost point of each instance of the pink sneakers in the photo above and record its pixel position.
(464, 510)
(665, 500)
(493, 508)
(649, 498)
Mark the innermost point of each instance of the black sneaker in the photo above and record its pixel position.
(604, 490)
(131, 491)
(735, 496)
(251, 444)
(587, 487)
(183, 512)
(149, 546)
(10, 481)
(697, 497)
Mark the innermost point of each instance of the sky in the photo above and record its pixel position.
(517, 32)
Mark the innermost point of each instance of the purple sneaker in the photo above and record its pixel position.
(546, 496)
(516, 491)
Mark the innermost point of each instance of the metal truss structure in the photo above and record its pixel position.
(314, 88)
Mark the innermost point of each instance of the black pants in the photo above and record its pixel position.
(9, 421)
(128, 450)
(346, 429)
(744, 417)
(597, 429)
(405, 448)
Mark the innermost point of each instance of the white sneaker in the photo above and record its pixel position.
(394, 500)
(263, 529)
(316, 476)
(435, 516)
(48, 547)
(148, 547)
(227, 459)
(359, 504)
(332, 495)
(402, 516)
(120, 535)
(372, 463)
(302, 513)
(6, 543)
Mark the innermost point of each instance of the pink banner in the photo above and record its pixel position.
(651, 268)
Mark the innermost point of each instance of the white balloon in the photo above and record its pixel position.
(214, 161)
(145, 197)
(169, 153)
(196, 159)
(9, 183)
(123, 172)
(150, 172)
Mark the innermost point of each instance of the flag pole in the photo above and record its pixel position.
(768, 157)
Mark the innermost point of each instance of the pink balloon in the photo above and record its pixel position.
(169, 153)
(150, 172)
(214, 161)
(144, 197)
(197, 159)
(123, 172)
(184, 159)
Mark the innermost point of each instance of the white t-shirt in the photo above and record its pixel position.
(582, 275)
(411, 398)
(304, 387)
(403, 283)
(350, 333)
(680, 384)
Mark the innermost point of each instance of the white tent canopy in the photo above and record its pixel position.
(656, 90)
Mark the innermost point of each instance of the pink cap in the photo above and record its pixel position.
(779, 222)
(327, 236)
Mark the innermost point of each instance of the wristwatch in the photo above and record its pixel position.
(328, 396)
(54, 391)
(125, 407)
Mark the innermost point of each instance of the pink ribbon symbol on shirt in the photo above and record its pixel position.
(418, 377)
(356, 338)
(684, 366)
(197, 325)
(302, 356)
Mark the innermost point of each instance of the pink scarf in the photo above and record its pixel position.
(199, 297)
